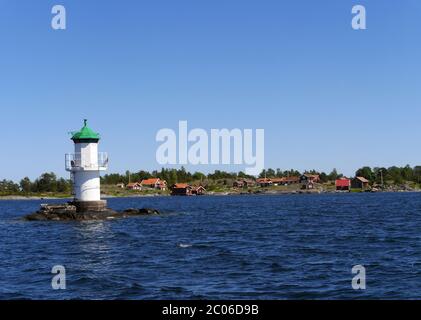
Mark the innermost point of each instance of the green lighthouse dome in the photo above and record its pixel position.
(85, 134)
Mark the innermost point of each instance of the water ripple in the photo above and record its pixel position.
(252, 247)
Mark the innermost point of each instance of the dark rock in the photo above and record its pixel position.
(131, 211)
(143, 211)
(68, 212)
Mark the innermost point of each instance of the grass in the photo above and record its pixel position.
(112, 190)
(38, 195)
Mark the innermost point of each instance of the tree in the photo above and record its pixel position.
(292, 173)
(144, 175)
(63, 185)
(263, 174)
(8, 187)
(417, 174)
(198, 176)
(365, 172)
(173, 177)
(271, 173)
(407, 173)
(242, 175)
(113, 178)
(395, 174)
(47, 182)
(378, 173)
(26, 185)
(217, 175)
(324, 177)
(333, 175)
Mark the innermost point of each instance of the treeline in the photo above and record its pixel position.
(46, 183)
(49, 183)
(391, 175)
(394, 175)
(171, 176)
(278, 173)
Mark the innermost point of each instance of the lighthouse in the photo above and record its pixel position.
(85, 166)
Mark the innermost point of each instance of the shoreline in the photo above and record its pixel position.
(215, 194)
(17, 197)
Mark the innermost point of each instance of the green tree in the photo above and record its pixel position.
(113, 178)
(8, 187)
(324, 177)
(198, 176)
(26, 185)
(333, 175)
(417, 174)
(263, 174)
(271, 173)
(395, 174)
(47, 182)
(378, 173)
(144, 175)
(173, 177)
(63, 185)
(365, 172)
(407, 173)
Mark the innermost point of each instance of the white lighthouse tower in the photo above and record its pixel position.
(85, 165)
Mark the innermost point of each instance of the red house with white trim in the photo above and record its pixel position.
(154, 183)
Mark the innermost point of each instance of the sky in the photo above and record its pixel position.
(326, 95)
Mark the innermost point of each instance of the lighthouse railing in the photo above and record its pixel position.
(74, 161)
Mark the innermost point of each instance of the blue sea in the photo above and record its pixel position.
(220, 247)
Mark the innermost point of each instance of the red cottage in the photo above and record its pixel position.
(343, 184)
(181, 189)
(198, 191)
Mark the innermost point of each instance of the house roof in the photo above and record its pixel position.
(362, 179)
(150, 181)
(293, 178)
(85, 133)
(181, 186)
(263, 180)
(133, 184)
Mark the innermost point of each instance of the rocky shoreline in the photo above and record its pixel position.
(68, 212)
(263, 192)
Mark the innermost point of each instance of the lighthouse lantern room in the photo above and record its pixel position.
(85, 165)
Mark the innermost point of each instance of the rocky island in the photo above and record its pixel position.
(68, 212)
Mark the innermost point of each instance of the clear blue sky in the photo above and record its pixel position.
(326, 95)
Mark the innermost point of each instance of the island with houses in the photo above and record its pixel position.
(306, 183)
(88, 184)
